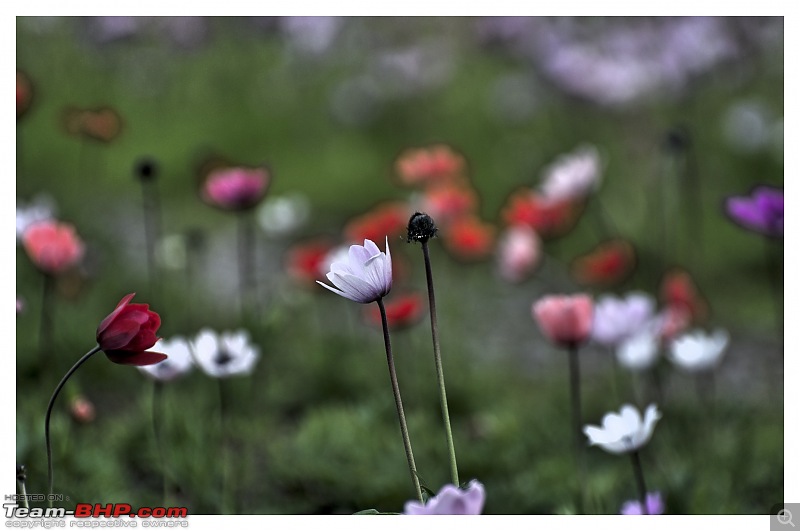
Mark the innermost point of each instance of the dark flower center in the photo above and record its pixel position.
(223, 357)
(421, 228)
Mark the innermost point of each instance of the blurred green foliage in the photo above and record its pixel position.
(314, 430)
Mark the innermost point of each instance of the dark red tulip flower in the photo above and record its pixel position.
(127, 333)
(607, 264)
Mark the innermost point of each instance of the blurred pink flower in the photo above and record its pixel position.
(236, 188)
(429, 165)
(451, 500)
(53, 247)
(654, 505)
(566, 320)
(519, 252)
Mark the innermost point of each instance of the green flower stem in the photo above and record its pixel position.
(639, 475)
(399, 403)
(224, 498)
(158, 389)
(63, 381)
(577, 422)
(437, 356)
(21, 476)
(246, 261)
(152, 229)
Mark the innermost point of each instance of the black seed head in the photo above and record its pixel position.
(21, 473)
(146, 169)
(421, 228)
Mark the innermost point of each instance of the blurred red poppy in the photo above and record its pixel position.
(127, 332)
(549, 218)
(679, 292)
(429, 165)
(607, 264)
(103, 124)
(305, 261)
(402, 311)
(447, 202)
(387, 219)
(469, 238)
(565, 320)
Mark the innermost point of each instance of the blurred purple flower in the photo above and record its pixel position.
(452, 500)
(616, 319)
(761, 211)
(654, 502)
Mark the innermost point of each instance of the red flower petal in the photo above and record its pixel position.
(124, 357)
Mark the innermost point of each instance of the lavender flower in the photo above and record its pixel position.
(617, 319)
(452, 500)
(365, 276)
(654, 503)
(625, 431)
(760, 212)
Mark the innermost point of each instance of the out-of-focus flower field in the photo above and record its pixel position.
(218, 167)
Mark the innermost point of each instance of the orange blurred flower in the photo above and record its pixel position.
(429, 165)
(103, 124)
(607, 264)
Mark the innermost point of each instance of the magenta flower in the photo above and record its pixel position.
(761, 211)
(236, 188)
(452, 500)
(654, 502)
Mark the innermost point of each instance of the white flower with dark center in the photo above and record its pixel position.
(698, 351)
(624, 431)
(225, 354)
(179, 360)
(365, 276)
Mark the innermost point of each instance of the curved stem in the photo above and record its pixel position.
(398, 402)
(47, 418)
(437, 355)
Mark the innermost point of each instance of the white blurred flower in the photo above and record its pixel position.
(224, 354)
(179, 360)
(281, 215)
(698, 351)
(624, 431)
(573, 175)
(639, 351)
(41, 208)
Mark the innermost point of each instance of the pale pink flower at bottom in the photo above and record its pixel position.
(452, 500)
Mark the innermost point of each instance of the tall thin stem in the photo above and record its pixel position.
(155, 404)
(152, 229)
(47, 418)
(639, 475)
(246, 261)
(437, 355)
(21, 478)
(225, 472)
(46, 320)
(577, 422)
(398, 402)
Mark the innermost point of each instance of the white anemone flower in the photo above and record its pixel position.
(624, 431)
(639, 351)
(224, 354)
(179, 360)
(698, 351)
(365, 276)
